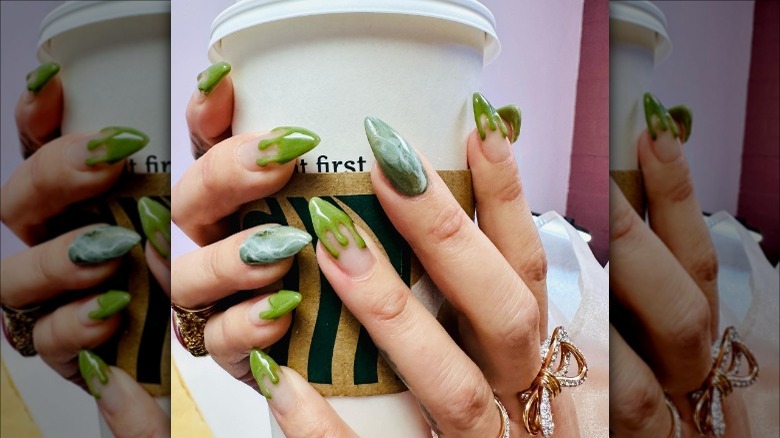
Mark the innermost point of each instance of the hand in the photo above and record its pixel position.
(59, 172)
(664, 276)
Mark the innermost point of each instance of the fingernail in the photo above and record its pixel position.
(104, 306)
(512, 115)
(39, 77)
(274, 306)
(94, 371)
(265, 370)
(657, 117)
(270, 245)
(115, 143)
(210, 77)
(101, 244)
(683, 115)
(493, 120)
(398, 161)
(281, 145)
(338, 235)
(156, 223)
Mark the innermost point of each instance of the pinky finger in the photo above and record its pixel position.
(297, 407)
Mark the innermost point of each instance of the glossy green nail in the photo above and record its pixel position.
(483, 108)
(683, 115)
(210, 77)
(270, 245)
(263, 366)
(101, 244)
(110, 303)
(39, 77)
(282, 303)
(94, 371)
(398, 161)
(116, 143)
(511, 114)
(664, 121)
(328, 218)
(156, 218)
(291, 142)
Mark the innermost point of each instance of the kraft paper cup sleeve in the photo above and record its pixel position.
(325, 343)
(632, 186)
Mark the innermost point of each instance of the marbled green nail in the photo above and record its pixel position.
(270, 245)
(210, 77)
(156, 218)
(483, 108)
(116, 143)
(683, 115)
(282, 303)
(398, 161)
(109, 304)
(328, 218)
(263, 366)
(511, 114)
(664, 120)
(39, 77)
(101, 244)
(94, 371)
(291, 142)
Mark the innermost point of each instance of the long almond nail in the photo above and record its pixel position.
(101, 244)
(106, 305)
(156, 223)
(493, 121)
(399, 163)
(39, 77)
(94, 371)
(270, 245)
(275, 306)
(115, 143)
(512, 116)
(657, 117)
(209, 78)
(265, 370)
(339, 236)
(683, 115)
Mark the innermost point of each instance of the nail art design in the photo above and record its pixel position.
(663, 120)
(683, 115)
(291, 142)
(116, 143)
(210, 77)
(39, 77)
(398, 161)
(273, 244)
(493, 120)
(101, 244)
(282, 303)
(327, 218)
(94, 371)
(110, 303)
(512, 115)
(263, 366)
(156, 218)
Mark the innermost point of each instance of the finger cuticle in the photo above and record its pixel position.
(102, 244)
(41, 76)
(271, 245)
(398, 161)
(209, 78)
(115, 143)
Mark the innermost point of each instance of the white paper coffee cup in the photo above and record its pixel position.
(638, 40)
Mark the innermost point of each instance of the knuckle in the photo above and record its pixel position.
(448, 224)
(390, 305)
(467, 407)
(688, 333)
(511, 190)
(635, 411)
(521, 330)
(681, 187)
(705, 265)
(534, 268)
(623, 222)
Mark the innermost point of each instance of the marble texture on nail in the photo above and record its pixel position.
(270, 245)
(327, 218)
(101, 244)
(399, 162)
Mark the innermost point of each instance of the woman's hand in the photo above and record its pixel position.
(59, 172)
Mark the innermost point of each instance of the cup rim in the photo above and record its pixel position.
(646, 15)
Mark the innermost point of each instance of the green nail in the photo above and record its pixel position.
(39, 77)
(683, 115)
(117, 142)
(93, 370)
(156, 218)
(664, 121)
(101, 244)
(110, 303)
(398, 161)
(282, 303)
(273, 244)
(328, 218)
(511, 114)
(483, 108)
(263, 366)
(210, 77)
(291, 142)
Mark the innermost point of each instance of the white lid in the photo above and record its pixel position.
(74, 14)
(647, 15)
(248, 13)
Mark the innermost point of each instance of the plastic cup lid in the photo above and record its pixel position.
(74, 14)
(248, 13)
(644, 14)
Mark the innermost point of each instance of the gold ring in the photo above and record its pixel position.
(676, 430)
(189, 324)
(18, 325)
(505, 425)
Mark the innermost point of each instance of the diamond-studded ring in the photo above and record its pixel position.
(676, 430)
(505, 425)
(556, 352)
